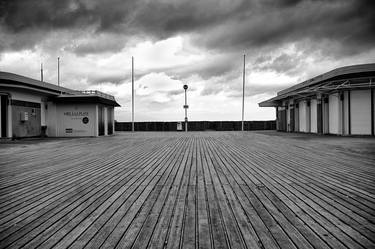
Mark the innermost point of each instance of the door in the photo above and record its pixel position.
(291, 113)
(281, 118)
(3, 115)
(319, 116)
(109, 120)
(101, 120)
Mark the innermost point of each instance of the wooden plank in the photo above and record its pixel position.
(162, 228)
(185, 190)
(348, 241)
(130, 206)
(78, 210)
(54, 216)
(139, 236)
(176, 228)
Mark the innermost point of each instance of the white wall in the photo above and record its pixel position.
(43, 113)
(113, 119)
(105, 120)
(308, 115)
(334, 114)
(360, 112)
(314, 116)
(70, 117)
(302, 116)
(345, 112)
(296, 119)
(51, 119)
(29, 97)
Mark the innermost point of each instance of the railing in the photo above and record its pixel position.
(97, 93)
(197, 126)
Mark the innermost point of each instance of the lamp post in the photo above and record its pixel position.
(186, 107)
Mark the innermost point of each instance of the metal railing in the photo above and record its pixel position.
(96, 93)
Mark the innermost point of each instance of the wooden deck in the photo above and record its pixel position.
(195, 190)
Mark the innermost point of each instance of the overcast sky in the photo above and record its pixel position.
(199, 43)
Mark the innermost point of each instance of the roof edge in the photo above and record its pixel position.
(330, 74)
(12, 79)
(36, 83)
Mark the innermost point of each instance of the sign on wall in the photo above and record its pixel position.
(179, 126)
(77, 120)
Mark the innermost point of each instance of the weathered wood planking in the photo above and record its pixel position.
(194, 190)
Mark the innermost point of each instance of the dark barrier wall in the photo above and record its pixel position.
(197, 126)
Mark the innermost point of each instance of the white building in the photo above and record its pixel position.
(31, 108)
(340, 102)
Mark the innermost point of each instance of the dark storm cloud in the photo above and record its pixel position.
(226, 25)
(96, 79)
(102, 44)
(283, 63)
(351, 23)
(174, 92)
(212, 66)
(20, 15)
(253, 90)
(23, 19)
(236, 91)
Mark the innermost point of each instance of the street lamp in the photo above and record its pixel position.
(186, 107)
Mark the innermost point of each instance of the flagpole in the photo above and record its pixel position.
(132, 94)
(41, 72)
(243, 93)
(58, 71)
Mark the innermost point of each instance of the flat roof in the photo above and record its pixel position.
(18, 81)
(341, 73)
(82, 98)
(11, 78)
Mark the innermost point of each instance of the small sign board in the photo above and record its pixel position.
(179, 126)
(85, 120)
(24, 116)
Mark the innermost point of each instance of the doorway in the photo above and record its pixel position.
(109, 121)
(101, 120)
(3, 115)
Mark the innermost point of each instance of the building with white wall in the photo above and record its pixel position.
(340, 102)
(30, 108)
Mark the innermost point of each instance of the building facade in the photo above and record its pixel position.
(30, 108)
(340, 102)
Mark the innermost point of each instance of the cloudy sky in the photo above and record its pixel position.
(176, 42)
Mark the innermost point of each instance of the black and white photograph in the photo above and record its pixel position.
(179, 124)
